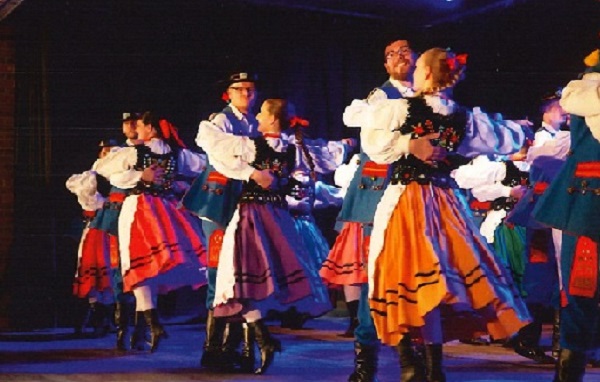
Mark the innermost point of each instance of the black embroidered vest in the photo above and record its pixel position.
(421, 121)
(281, 165)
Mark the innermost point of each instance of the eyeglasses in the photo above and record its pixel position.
(403, 50)
(242, 88)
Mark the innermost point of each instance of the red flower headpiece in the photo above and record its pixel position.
(456, 61)
(297, 121)
(170, 132)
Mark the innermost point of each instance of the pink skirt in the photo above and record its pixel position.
(347, 259)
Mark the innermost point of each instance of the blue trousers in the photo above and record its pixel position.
(208, 228)
(365, 333)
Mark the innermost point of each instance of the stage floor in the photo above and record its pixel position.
(315, 353)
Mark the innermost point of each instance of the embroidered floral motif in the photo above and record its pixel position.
(422, 121)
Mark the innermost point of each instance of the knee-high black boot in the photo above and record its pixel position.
(138, 338)
(247, 357)
(99, 319)
(352, 307)
(556, 334)
(527, 342)
(122, 321)
(433, 363)
(213, 343)
(412, 368)
(157, 332)
(232, 338)
(570, 366)
(366, 359)
(267, 345)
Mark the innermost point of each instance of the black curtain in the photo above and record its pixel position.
(81, 64)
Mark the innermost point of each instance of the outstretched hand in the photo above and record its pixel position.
(423, 149)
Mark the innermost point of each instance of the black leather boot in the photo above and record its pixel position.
(412, 368)
(213, 343)
(433, 363)
(527, 341)
(232, 338)
(84, 310)
(352, 307)
(556, 334)
(267, 345)
(292, 319)
(138, 338)
(122, 321)
(527, 344)
(247, 357)
(366, 359)
(99, 319)
(157, 332)
(570, 366)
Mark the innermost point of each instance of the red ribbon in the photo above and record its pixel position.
(454, 61)
(170, 132)
(297, 121)
(225, 97)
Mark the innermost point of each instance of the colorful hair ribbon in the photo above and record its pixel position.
(170, 132)
(297, 121)
(456, 61)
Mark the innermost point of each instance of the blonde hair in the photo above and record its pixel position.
(278, 108)
(443, 76)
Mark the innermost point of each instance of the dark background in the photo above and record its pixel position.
(81, 64)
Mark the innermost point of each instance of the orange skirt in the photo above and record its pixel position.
(434, 256)
(345, 264)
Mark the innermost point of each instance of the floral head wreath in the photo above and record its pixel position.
(457, 63)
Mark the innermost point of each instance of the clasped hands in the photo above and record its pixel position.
(423, 149)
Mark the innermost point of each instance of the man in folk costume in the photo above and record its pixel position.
(541, 279)
(572, 204)
(347, 260)
(213, 198)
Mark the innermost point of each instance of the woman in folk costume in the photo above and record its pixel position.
(100, 249)
(160, 245)
(305, 195)
(92, 278)
(572, 204)
(263, 264)
(426, 257)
